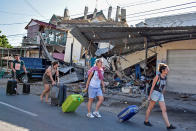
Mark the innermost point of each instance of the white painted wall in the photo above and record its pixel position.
(76, 49)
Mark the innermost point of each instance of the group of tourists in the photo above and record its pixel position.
(95, 87)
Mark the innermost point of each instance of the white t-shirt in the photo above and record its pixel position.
(95, 81)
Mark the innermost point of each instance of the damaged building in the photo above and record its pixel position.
(60, 42)
(152, 45)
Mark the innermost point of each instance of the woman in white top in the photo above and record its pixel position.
(93, 85)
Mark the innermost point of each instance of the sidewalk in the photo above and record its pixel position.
(173, 101)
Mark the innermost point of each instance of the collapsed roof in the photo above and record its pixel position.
(130, 39)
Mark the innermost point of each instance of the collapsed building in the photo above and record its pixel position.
(140, 49)
(151, 46)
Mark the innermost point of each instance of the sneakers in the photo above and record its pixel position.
(96, 114)
(171, 127)
(147, 123)
(90, 115)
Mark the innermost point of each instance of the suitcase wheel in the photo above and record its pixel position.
(121, 120)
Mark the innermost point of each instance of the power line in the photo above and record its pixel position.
(70, 15)
(163, 11)
(135, 2)
(21, 23)
(33, 8)
(165, 22)
(107, 2)
(105, 9)
(147, 2)
(161, 8)
(13, 13)
(14, 35)
(17, 35)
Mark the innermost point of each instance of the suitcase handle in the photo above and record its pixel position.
(145, 103)
(79, 99)
(14, 76)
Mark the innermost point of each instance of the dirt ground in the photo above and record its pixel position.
(114, 102)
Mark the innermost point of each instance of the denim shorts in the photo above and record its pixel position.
(157, 96)
(94, 92)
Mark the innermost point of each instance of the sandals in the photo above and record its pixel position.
(147, 123)
(171, 127)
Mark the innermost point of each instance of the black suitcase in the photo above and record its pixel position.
(26, 88)
(11, 87)
(62, 93)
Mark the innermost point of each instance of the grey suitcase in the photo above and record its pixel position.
(54, 95)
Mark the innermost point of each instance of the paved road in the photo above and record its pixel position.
(26, 112)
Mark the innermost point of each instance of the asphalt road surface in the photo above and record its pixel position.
(26, 112)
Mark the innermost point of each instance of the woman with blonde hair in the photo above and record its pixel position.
(157, 95)
(93, 86)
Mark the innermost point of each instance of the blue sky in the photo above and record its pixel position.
(20, 11)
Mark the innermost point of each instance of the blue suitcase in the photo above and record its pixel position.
(130, 111)
(127, 113)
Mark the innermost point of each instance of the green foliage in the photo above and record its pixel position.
(4, 42)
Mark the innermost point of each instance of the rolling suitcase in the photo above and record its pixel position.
(54, 95)
(11, 87)
(130, 111)
(26, 88)
(72, 102)
(62, 93)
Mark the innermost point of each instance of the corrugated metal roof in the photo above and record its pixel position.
(131, 39)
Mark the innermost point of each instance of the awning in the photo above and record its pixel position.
(130, 39)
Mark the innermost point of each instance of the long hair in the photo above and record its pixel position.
(162, 67)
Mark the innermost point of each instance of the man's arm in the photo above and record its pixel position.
(24, 68)
(12, 67)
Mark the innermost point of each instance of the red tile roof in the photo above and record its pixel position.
(41, 23)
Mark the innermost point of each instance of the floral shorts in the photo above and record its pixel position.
(157, 96)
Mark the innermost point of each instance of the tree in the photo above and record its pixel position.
(4, 41)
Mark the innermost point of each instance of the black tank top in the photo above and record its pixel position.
(160, 84)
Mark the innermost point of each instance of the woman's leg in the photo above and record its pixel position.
(47, 93)
(100, 101)
(150, 107)
(90, 101)
(164, 112)
(46, 86)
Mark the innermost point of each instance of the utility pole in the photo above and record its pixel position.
(146, 60)
(8, 59)
(2, 57)
(146, 53)
(40, 48)
(71, 62)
